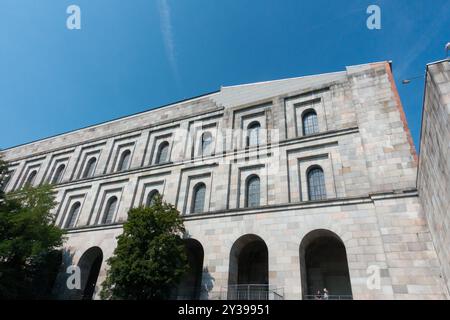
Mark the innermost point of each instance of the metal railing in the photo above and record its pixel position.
(329, 297)
(189, 293)
(252, 292)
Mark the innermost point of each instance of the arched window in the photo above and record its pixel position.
(58, 174)
(253, 193)
(30, 179)
(206, 144)
(316, 184)
(6, 180)
(151, 198)
(110, 210)
(163, 153)
(253, 134)
(124, 160)
(73, 214)
(310, 123)
(198, 199)
(90, 167)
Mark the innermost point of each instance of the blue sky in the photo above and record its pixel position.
(130, 56)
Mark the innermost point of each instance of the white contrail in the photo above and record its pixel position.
(425, 39)
(166, 29)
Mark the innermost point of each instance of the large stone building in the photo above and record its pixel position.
(286, 187)
(433, 180)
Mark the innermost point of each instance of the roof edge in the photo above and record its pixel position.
(112, 120)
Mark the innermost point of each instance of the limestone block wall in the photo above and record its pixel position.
(364, 99)
(434, 166)
(390, 154)
(363, 146)
(388, 231)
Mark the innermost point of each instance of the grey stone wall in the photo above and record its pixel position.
(434, 170)
(363, 146)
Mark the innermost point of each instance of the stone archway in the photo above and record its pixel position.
(90, 264)
(323, 264)
(191, 284)
(248, 276)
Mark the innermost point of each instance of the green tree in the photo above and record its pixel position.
(28, 241)
(150, 257)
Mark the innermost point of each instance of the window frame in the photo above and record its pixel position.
(58, 175)
(196, 189)
(120, 165)
(31, 178)
(322, 194)
(253, 126)
(249, 179)
(92, 162)
(73, 215)
(314, 126)
(161, 146)
(202, 151)
(150, 196)
(111, 200)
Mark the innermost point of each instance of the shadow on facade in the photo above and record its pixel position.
(89, 264)
(197, 282)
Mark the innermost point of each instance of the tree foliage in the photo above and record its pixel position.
(150, 257)
(28, 241)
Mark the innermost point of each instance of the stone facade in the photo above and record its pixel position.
(363, 148)
(434, 166)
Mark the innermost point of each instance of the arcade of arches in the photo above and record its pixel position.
(323, 264)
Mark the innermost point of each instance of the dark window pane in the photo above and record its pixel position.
(253, 134)
(206, 147)
(163, 153)
(316, 184)
(310, 123)
(253, 192)
(73, 214)
(124, 160)
(30, 179)
(58, 174)
(151, 198)
(90, 167)
(6, 180)
(110, 210)
(199, 198)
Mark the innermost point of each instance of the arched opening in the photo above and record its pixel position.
(253, 130)
(110, 210)
(252, 191)
(163, 153)
(323, 265)
(58, 174)
(31, 178)
(6, 181)
(124, 160)
(89, 264)
(198, 198)
(73, 215)
(310, 122)
(316, 183)
(151, 197)
(191, 284)
(206, 144)
(248, 275)
(90, 167)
